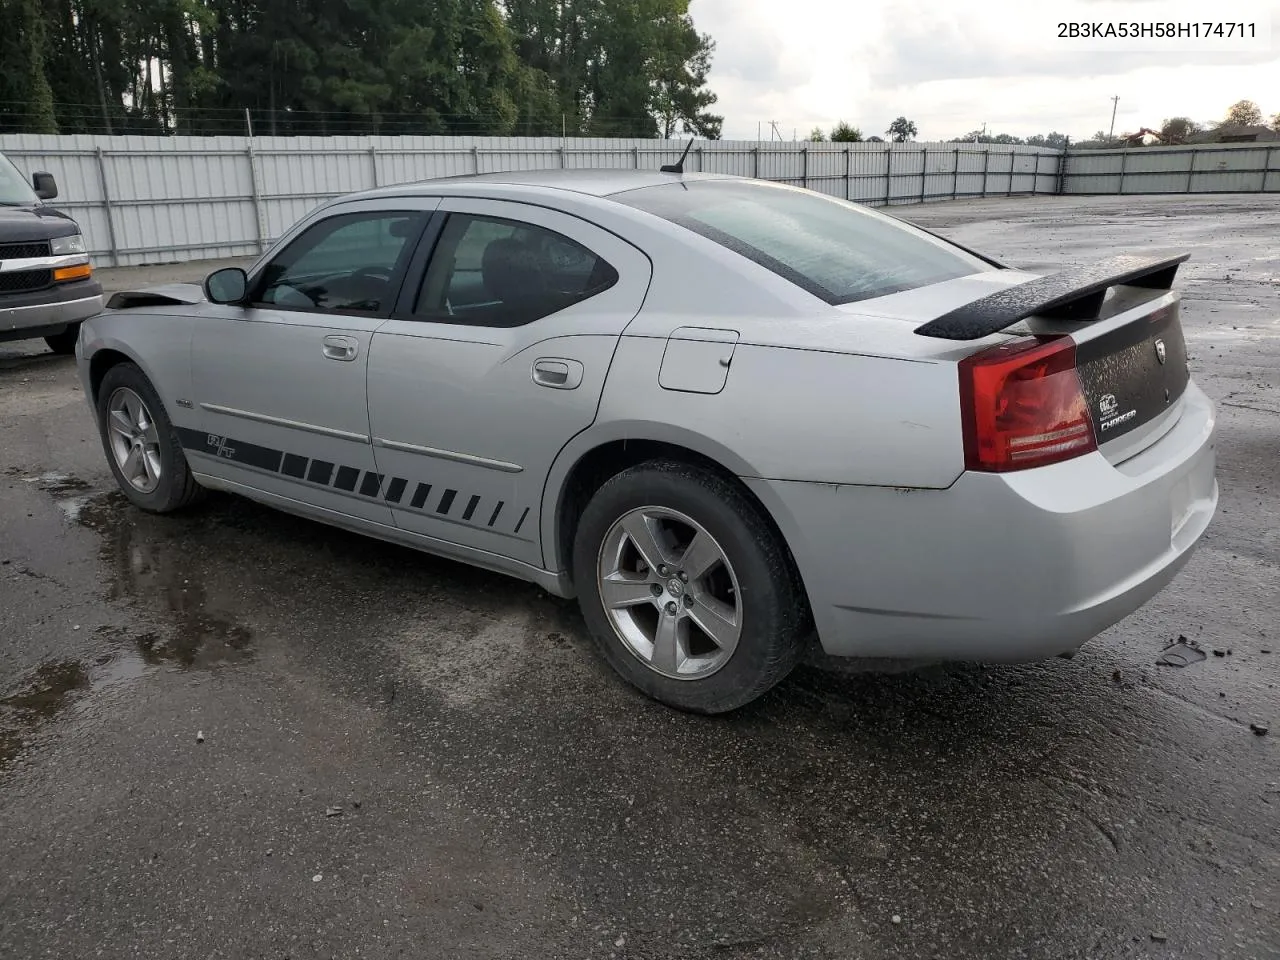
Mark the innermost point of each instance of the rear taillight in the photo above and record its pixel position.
(1022, 406)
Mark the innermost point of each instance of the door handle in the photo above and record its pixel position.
(557, 373)
(340, 348)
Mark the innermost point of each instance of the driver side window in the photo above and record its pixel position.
(349, 263)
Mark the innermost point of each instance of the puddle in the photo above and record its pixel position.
(48, 692)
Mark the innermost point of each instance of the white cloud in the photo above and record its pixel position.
(952, 67)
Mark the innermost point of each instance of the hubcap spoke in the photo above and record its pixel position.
(717, 620)
(666, 643)
(132, 466)
(640, 528)
(621, 590)
(700, 556)
(151, 465)
(120, 424)
(151, 435)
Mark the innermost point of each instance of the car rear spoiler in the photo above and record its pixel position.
(165, 295)
(1069, 295)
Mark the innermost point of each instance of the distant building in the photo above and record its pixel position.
(1236, 133)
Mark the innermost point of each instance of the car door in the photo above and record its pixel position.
(492, 363)
(279, 382)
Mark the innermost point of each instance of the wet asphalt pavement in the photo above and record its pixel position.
(403, 757)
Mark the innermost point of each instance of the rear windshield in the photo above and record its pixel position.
(834, 249)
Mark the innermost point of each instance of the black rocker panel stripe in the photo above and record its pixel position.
(365, 484)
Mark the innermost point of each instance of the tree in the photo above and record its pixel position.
(816, 135)
(843, 133)
(901, 130)
(875, 139)
(532, 67)
(1275, 123)
(1243, 113)
(1178, 129)
(1055, 140)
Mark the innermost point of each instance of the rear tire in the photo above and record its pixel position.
(141, 445)
(64, 343)
(719, 618)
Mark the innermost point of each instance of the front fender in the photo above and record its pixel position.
(160, 345)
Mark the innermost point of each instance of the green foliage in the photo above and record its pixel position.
(499, 67)
(816, 135)
(843, 133)
(1177, 129)
(901, 130)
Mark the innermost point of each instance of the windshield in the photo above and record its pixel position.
(834, 249)
(14, 189)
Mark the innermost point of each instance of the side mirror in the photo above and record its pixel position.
(228, 285)
(45, 186)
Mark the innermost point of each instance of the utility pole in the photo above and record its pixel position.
(1115, 102)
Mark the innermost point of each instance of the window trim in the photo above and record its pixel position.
(425, 255)
(396, 281)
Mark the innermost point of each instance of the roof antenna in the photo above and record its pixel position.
(678, 166)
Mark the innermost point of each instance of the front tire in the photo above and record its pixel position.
(141, 445)
(64, 343)
(686, 588)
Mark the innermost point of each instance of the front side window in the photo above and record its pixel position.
(834, 249)
(14, 189)
(346, 263)
(490, 271)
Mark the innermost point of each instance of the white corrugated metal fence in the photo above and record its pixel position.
(1204, 168)
(152, 199)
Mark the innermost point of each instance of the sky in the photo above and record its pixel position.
(953, 65)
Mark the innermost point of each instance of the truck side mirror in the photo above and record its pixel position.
(45, 186)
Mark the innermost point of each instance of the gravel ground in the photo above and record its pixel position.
(234, 733)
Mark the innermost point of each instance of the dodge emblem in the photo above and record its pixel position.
(1160, 352)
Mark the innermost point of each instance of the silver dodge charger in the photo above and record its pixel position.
(728, 416)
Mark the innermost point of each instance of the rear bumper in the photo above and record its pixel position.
(46, 312)
(1001, 567)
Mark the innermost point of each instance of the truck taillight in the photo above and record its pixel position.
(1022, 406)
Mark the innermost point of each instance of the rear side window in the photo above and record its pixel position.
(834, 249)
(493, 272)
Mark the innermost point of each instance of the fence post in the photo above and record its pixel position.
(804, 166)
(475, 157)
(106, 203)
(1062, 167)
(924, 170)
(986, 166)
(955, 175)
(1191, 169)
(846, 174)
(1013, 162)
(635, 157)
(888, 173)
(373, 165)
(755, 163)
(701, 166)
(1124, 157)
(257, 197)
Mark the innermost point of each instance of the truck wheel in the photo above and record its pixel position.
(141, 444)
(686, 588)
(65, 342)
